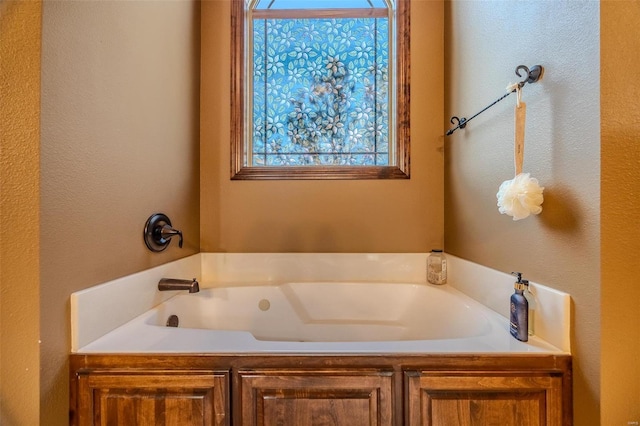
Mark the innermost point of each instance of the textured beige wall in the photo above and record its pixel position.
(120, 115)
(323, 216)
(561, 247)
(620, 209)
(19, 211)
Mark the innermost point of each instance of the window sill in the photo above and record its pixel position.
(320, 173)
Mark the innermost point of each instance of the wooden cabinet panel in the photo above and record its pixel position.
(152, 399)
(323, 398)
(490, 398)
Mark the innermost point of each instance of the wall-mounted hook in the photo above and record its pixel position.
(158, 232)
(459, 123)
(532, 75)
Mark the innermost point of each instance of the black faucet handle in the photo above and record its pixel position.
(158, 232)
(167, 232)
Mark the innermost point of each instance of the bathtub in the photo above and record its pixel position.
(318, 317)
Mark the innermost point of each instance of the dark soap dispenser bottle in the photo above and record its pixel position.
(519, 318)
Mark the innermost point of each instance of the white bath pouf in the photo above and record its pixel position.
(520, 197)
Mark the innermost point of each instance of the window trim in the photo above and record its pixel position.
(399, 170)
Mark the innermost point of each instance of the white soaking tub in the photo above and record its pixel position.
(318, 317)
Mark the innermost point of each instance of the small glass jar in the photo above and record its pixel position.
(437, 267)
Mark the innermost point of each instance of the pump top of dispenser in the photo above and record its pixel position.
(520, 284)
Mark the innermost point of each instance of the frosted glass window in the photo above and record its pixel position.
(320, 92)
(320, 87)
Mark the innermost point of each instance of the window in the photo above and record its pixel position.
(320, 89)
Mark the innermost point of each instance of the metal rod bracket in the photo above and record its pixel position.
(531, 75)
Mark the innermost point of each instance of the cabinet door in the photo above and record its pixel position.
(328, 398)
(470, 399)
(147, 399)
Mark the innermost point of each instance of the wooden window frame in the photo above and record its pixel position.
(398, 170)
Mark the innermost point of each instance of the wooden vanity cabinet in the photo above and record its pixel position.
(320, 390)
(440, 398)
(289, 397)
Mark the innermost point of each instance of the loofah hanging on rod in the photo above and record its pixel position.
(522, 195)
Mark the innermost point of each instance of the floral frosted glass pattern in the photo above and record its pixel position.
(320, 92)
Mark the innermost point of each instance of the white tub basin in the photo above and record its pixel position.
(329, 312)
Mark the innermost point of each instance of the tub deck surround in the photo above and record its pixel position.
(223, 268)
(100, 309)
(139, 327)
(552, 321)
